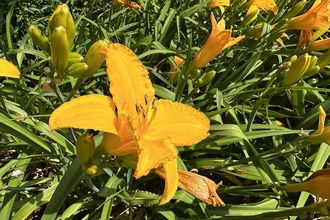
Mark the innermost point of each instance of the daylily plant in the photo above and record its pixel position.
(8, 69)
(264, 5)
(218, 40)
(317, 17)
(134, 122)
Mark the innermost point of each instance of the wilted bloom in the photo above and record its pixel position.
(317, 184)
(219, 3)
(218, 40)
(199, 186)
(8, 69)
(129, 4)
(317, 17)
(264, 5)
(135, 123)
(322, 134)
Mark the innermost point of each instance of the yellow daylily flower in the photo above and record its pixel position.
(219, 3)
(218, 40)
(317, 184)
(199, 186)
(135, 123)
(322, 134)
(317, 17)
(264, 5)
(8, 69)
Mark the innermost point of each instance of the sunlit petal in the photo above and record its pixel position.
(129, 80)
(152, 154)
(8, 69)
(86, 112)
(183, 124)
(171, 181)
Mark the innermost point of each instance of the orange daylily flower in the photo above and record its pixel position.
(264, 5)
(8, 69)
(218, 40)
(129, 4)
(317, 184)
(135, 123)
(319, 45)
(199, 186)
(219, 3)
(322, 134)
(317, 17)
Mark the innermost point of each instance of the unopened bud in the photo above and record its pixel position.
(251, 15)
(296, 9)
(91, 170)
(39, 38)
(95, 57)
(298, 68)
(207, 78)
(59, 46)
(77, 69)
(63, 17)
(324, 59)
(85, 148)
(75, 57)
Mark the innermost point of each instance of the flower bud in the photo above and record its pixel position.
(295, 9)
(95, 57)
(77, 69)
(92, 170)
(63, 17)
(251, 15)
(75, 57)
(207, 78)
(324, 59)
(85, 148)
(322, 134)
(59, 46)
(298, 68)
(39, 38)
(317, 184)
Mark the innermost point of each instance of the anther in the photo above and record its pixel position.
(154, 103)
(146, 99)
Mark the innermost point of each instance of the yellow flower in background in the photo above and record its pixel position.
(219, 3)
(8, 69)
(129, 4)
(199, 186)
(322, 134)
(317, 17)
(135, 123)
(264, 5)
(218, 40)
(317, 184)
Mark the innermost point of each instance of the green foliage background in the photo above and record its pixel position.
(247, 149)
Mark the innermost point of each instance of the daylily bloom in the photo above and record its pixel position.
(199, 186)
(264, 5)
(319, 45)
(135, 123)
(322, 134)
(8, 69)
(218, 40)
(129, 4)
(317, 184)
(219, 3)
(317, 17)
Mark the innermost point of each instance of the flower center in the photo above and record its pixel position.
(146, 113)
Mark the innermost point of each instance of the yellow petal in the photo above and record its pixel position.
(115, 145)
(183, 124)
(221, 25)
(152, 154)
(8, 69)
(233, 41)
(129, 80)
(171, 181)
(265, 5)
(322, 116)
(86, 112)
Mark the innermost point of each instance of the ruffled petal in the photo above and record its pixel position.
(8, 69)
(129, 80)
(86, 112)
(183, 124)
(171, 181)
(152, 154)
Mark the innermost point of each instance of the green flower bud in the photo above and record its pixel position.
(77, 69)
(59, 46)
(207, 78)
(85, 148)
(298, 68)
(39, 38)
(95, 57)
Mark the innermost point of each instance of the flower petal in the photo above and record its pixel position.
(129, 79)
(86, 112)
(183, 124)
(152, 154)
(171, 181)
(8, 69)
